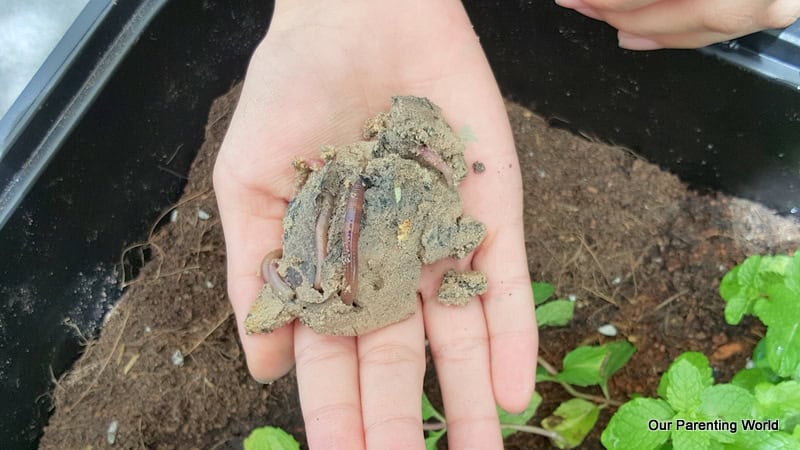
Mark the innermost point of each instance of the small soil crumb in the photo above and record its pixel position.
(460, 288)
(478, 167)
(361, 226)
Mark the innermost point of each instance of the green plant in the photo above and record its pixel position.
(584, 366)
(554, 312)
(760, 407)
(270, 438)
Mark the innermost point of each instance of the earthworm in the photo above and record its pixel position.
(321, 234)
(269, 272)
(352, 222)
(434, 160)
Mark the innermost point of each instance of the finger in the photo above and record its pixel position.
(460, 348)
(687, 40)
(252, 230)
(327, 378)
(508, 304)
(727, 17)
(392, 367)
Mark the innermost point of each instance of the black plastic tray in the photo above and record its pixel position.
(99, 143)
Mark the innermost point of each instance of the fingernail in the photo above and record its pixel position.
(264, 382)
(574, 4)
(634, 42)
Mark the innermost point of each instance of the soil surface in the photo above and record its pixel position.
(340, 278)
(630, 242)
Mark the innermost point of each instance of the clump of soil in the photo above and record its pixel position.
(340, 278)
(634, 246)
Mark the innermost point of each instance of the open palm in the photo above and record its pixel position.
(320, 72)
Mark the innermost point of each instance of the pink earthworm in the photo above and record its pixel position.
(352, 222)
(269, 272)
(321, 234)
(434, 160)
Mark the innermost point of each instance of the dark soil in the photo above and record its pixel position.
(633, 245)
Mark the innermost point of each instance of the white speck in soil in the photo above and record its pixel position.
(177, 358)
(209, 284)
(147, 329)
(572, 297)
(111, 433)
(173, 216)
(617, 280)
(749, 364)
(722, 268)
(541, 173)
(607, 330)
(202, 215)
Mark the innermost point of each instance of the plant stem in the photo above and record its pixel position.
(534, 430)
(436, 426)
(572, 391)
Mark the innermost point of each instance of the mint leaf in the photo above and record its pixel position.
(555, 313)
(780, 401)
(428, 411)
(750, 378)
(573, 420)
(433, 438)
(583, 366)
(619, 353)
(543, 375)
(780, 314)
(692, 439)
(728, 402)
(763, 440)
(793, 273)
(270, 438)
(760, 355)
(506, 418)
(685, 383)
(698, 360)
(628, 427)
(541, 292)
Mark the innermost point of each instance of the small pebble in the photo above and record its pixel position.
(111, 433)
(202, 215)
(209, 284)
(607, 330)
(177, 358)
(616, 281)
(173, 216)
(722, 268)
(478, 167)
(147, 329)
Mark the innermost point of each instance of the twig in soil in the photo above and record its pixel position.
(594, 257)
(600, 295)
(172, 172)
(209, 333)
(105, 363)
(125, 282)
(174, 154)
(169, 210)
(665, 303)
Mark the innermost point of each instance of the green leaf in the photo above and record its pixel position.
(780, 314)
(555, 314)
(631, 426)
(506, 418)
(543, 375)
(760, 355)
(541, 292)
(728, 402)
(583, 365)
(698, 360)
(433, 438)
(619, 353)
(692, 439)
(270, 438)
(573, 420)
(763, 440)
(750, 378)
(428, 411)
(793, 273)
(780, 401)
(685, 384)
